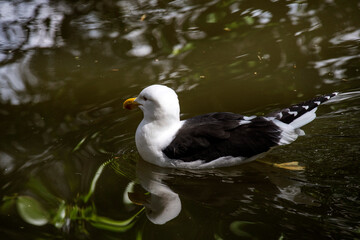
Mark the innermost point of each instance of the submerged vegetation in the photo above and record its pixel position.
(40, 207)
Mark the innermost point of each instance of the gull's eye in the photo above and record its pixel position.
(145, 98)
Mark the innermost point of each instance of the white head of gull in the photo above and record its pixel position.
(161, 109)
(160, 105)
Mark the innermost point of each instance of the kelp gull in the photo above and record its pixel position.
(215, 139)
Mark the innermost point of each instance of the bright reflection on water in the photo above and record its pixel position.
(68, 162)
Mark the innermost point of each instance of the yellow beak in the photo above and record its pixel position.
(130, 104)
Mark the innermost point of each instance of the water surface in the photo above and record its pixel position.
(67, 152)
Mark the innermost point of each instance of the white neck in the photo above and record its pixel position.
(162, 119)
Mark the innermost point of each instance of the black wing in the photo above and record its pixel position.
(210, 136)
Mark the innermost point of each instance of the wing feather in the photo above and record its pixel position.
(210, 136)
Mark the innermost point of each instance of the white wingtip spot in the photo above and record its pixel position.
(317, 102)
(249, 118)
(242, 122)
(305, 107)
(293, 113)
(304, 119)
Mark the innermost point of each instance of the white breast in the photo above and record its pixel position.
(151, 138)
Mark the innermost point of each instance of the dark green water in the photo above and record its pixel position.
(66, 67)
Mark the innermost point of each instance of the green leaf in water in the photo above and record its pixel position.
(59, 219)
(39, 189)
(79, 144)
(95, 135)
(177, 50)
(95, 179)
(234, 25)
(251, 64)
(113, 225)
(217, 237)
(211, 18)
(139, 235)
(249, 20)
(7, 204)
(238, 228)
(31, 211)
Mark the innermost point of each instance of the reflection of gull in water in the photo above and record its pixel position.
(245, 183)
(231, 189)
(161, 204)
